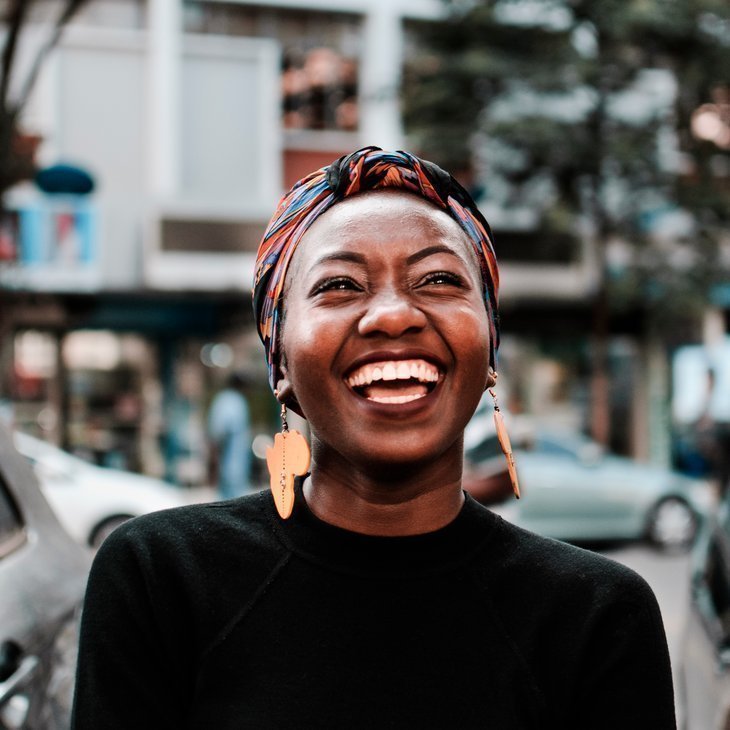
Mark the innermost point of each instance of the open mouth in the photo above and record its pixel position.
(394, 381)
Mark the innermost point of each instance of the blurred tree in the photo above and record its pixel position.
(16, 149)
(582, 111)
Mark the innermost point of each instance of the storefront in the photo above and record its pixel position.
(126, 380)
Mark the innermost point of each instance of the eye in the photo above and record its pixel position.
(442, 278)
(335, 283)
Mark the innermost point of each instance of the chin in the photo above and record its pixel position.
(401, 461)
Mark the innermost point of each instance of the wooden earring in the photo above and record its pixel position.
(287, 458)
(505, 444)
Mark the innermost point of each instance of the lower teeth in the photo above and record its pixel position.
(396, 398)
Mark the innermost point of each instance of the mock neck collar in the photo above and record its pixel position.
(334, 547)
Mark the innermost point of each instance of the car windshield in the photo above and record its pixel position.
(555, 447)
(45, 456)
(567, 445)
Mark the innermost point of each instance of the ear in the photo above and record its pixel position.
(491, 379)
(285, 392)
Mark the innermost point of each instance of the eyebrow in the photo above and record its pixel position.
(352, 257)
(431, 251)
(357, 258)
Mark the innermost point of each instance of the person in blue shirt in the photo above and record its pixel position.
(229, 430)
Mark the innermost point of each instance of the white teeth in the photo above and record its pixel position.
(396, 398)
(394, 370)
(389, 372)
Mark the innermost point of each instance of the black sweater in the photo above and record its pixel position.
(224, 616)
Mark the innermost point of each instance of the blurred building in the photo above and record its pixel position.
(120, 310)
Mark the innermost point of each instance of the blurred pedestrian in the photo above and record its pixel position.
(369, 592)
(229, 433)
(712, 432)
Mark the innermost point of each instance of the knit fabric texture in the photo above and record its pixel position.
(223, 616)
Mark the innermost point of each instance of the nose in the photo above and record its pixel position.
(391, 313)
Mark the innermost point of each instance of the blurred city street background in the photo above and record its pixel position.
(145, 143)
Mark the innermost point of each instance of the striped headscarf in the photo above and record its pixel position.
(369, 168)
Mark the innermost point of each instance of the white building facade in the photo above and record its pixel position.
(193, 118)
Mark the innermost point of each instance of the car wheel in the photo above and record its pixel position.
(105, 528)
(672, 524)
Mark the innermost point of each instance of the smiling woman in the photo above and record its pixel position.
(385, 348)
(380, 595)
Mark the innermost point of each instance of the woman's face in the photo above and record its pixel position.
(385, 339)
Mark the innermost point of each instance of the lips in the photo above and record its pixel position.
(394, 381)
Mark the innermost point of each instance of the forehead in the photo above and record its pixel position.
(392, 217)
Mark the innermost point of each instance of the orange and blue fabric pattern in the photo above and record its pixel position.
(369, 168)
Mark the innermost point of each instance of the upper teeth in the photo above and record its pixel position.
(394, 370)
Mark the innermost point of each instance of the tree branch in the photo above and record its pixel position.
(70, 10)
(17, 14)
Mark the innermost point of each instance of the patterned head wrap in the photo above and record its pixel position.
(369, 168)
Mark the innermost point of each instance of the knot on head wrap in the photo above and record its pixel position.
(369, 168)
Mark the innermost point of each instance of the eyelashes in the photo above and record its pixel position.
(335, 283)
(347, 284)
(443, 277)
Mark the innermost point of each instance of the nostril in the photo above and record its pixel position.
(394, 317)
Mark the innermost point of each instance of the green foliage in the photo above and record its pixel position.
(594, 99)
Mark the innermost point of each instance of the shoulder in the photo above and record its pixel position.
(596, 621)
(561, 573)
(566, 602)
(177, 578)
(195, 535)
(191, 568)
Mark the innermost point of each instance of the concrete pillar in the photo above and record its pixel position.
(58, 398)
(380, 76)
(658, 379)
(640, 441)
(164, 57)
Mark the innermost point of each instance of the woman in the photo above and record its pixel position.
(383, 597)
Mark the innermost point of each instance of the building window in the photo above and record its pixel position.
(320, 58)
(319, 90)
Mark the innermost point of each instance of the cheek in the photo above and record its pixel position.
(309, 345)
(469, 328)
(469, 340)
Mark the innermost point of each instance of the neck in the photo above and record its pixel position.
(419, 499)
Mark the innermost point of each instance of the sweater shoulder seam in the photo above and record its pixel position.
(225, 632)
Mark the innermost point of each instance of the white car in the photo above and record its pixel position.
(90, 501)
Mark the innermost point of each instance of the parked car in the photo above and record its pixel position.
(704, 664)
(572, 490)
(92, 500)
(42, 578)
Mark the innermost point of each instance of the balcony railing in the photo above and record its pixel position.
(50, 244)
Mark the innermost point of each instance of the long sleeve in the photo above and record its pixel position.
(126, 677)
(627, 681)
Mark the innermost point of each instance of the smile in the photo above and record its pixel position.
(394, 381)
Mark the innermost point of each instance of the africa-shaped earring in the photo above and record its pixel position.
(504, 442)
(287, 458)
